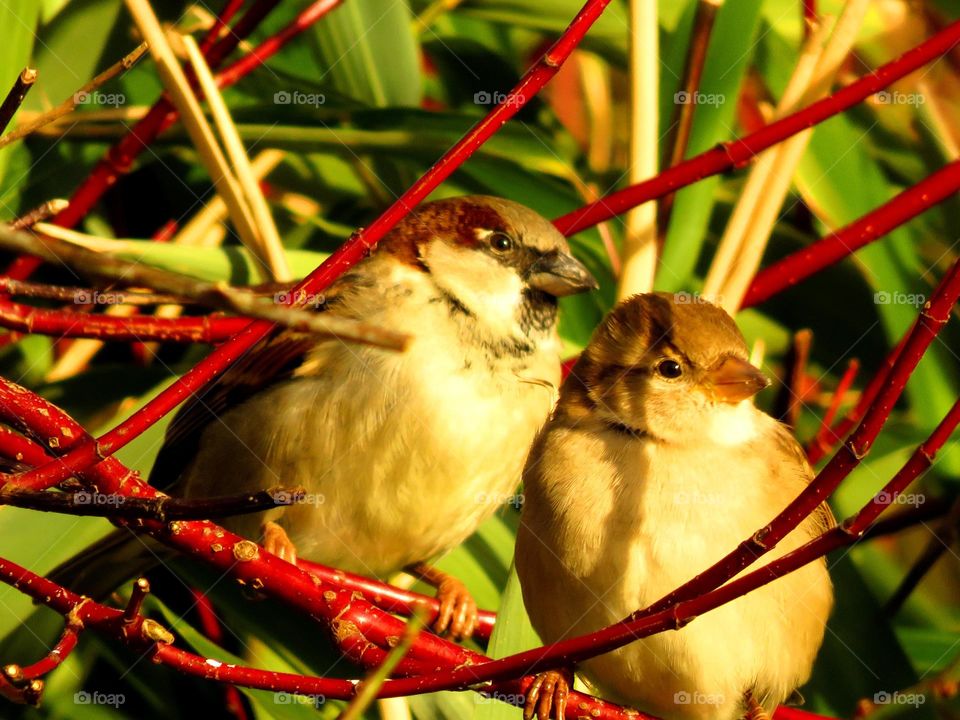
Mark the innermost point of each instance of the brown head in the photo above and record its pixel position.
(662, 364)
(497, 259)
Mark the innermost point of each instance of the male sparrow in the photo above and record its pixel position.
(402, 455)
(654, 466)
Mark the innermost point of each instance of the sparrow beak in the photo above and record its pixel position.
(559, 274)
(735, 379)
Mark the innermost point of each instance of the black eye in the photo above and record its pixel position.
(669, 369)
(501, 242)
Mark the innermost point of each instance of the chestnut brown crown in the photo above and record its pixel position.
(660, 363)
(511, 234)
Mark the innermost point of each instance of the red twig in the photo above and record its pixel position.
(825, 438)
(60, 652)
(816, 451)
(269, 47)
(808, 10)
(65, 323)
(220, 23)
(834, 247)
(391, 598)
(738, 153)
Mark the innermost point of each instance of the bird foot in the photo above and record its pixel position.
(755, 710)
(458, 615)
(547, 694)
(277, 542)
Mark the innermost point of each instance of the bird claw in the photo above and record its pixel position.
(458, 614)
(755, 710)
(277, 542)
(548, 693)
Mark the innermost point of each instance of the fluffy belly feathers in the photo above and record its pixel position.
(385, 488)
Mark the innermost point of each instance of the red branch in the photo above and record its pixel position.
(816, 451)
(65, 323)
(737, 153)
(834, 247)
(269, 47)
(393, 599)
(825, 439)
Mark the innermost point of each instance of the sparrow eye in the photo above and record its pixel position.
(501, 242)
(669, 369)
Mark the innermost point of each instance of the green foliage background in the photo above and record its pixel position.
(366, 143)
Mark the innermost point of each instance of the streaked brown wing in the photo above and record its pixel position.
(272, 360)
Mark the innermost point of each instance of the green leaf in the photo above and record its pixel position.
(731, 46)
(18, 18)
(232, 263)
(513, 633)
(367, 50)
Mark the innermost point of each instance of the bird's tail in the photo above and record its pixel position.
(120, 557)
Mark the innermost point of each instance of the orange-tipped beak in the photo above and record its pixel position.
(734, 380)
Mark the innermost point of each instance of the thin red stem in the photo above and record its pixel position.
(269, 47)
(65, 323)
(816, 451)
(738, 153)
(391, 598)
(832, 248)
(60, 652)
(220, 23)
(825, 439)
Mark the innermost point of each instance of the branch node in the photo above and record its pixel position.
(141, 589)
(155, 632)
(245, 550)
(13, 674)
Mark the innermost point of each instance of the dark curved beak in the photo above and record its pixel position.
(734, 380)
(559, 274)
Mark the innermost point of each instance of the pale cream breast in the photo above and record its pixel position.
(653, 516)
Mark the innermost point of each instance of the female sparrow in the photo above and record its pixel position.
(654, 466)
(402, 455)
